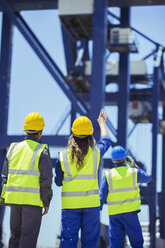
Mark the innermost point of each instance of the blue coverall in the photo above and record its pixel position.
(88, 219)
(128, 223)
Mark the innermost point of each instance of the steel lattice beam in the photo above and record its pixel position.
(124, 86)
(97, 88)
(5, 64)
(45, 58)
(153, 185)
(18, 5)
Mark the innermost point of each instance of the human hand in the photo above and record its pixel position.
(102, 117)
(130, 161)
(45, 211)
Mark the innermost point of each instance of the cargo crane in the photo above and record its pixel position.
(87, 76)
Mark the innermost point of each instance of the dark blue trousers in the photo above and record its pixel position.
(25, 224)
(86, 219)
(121, 224)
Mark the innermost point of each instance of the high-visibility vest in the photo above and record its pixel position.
(123, 194)
(80, 187)
(23, 183)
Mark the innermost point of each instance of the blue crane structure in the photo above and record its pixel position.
(87, 95)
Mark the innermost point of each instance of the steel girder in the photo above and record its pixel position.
(124, 86)
(18, 5)
(52, 140)
(70, 58)
(123, 20)
(152, 187)
(5, 63)
(44, 56)
(51, 66)
(97, 88)
(48, 62)
(160, 200)
(135, 95)
(162, 193)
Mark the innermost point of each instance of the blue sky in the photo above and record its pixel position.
(33, 89)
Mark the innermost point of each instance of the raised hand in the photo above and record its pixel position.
(130, 161)
(102, 122)
(102, 117)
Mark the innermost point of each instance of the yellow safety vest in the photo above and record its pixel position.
(80, 188)
(123, 195)
(23, 185)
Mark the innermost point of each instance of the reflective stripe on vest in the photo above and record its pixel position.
(121, 202)
(23, 189)
(80, 177)
(134, 187)
(31, 171)
(81, 193)
(10, 152)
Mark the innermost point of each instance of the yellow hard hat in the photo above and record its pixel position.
(82, 126)
(34, 121)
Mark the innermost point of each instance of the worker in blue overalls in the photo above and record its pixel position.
(77, 173)
(120, 188)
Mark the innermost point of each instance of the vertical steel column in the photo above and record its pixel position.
(69, 49)
(97, 89)
(70, 58)
(86, 52)
(162, 194)
(152, 189)
(5, 67)
(124, 85)
(73, 116)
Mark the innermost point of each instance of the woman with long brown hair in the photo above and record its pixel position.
(77, 173)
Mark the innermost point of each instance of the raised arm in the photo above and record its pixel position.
(143, 177)
(102, 123)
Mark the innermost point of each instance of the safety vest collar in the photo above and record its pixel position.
(11, 152)
(69, 177)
